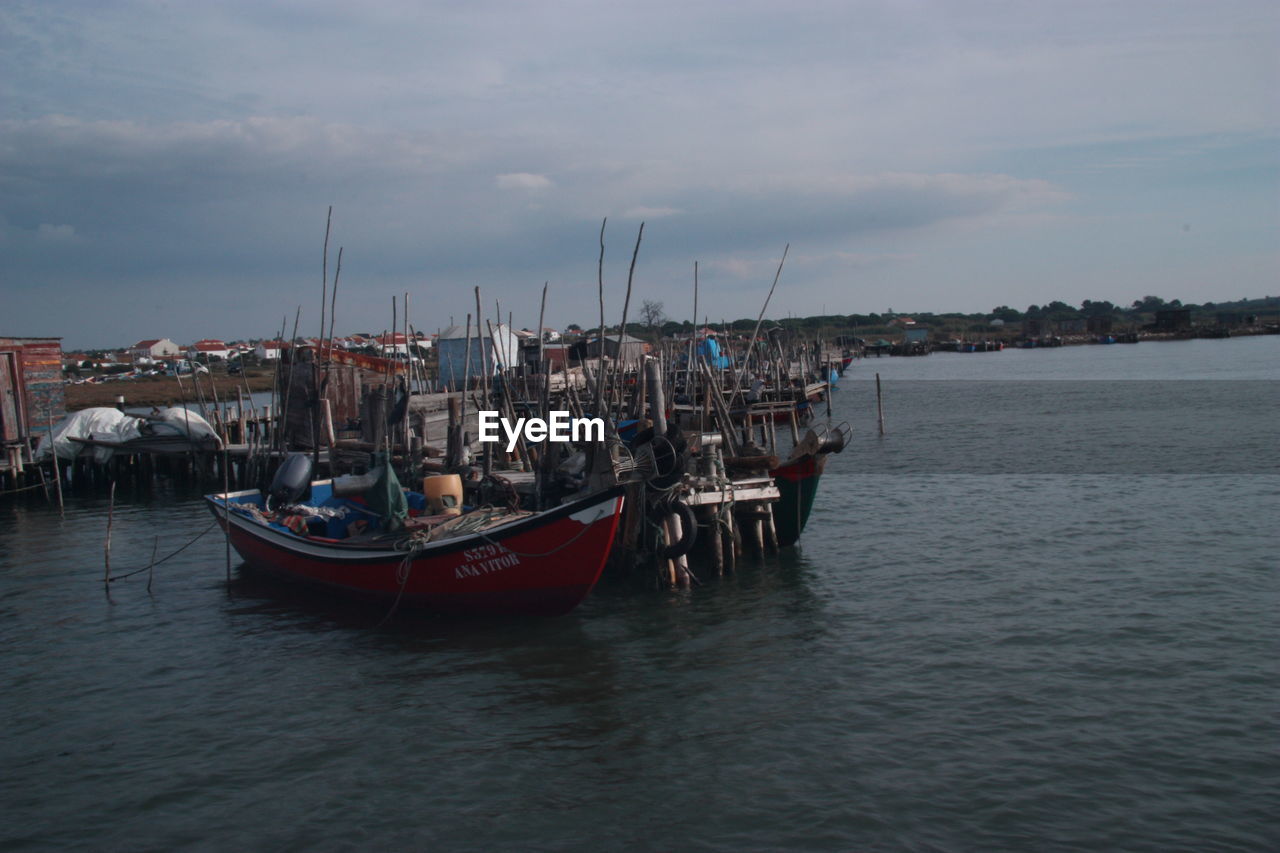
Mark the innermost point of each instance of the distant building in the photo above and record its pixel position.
(629, 350)
(211, 350)
(268, 350)
(556, 356)
(500, 349)
(154, 349)
(391, 343)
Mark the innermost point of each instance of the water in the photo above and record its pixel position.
(995, 637)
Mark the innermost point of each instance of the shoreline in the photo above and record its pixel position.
(166, 391)
(161, 390)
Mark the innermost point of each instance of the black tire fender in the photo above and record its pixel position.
(688, 532)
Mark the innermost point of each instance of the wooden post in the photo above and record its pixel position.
(57, 472)
(735, 546)
(152, 568)
(716, 543)
(599, 389)
(642, 384)
(653, 375)
(326, 421)
(226, 506)
(879, 405)
(485, 375)
(106, 548)
(830, 388)
(454, 437)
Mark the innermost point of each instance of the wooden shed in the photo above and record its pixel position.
(630, 350)
(30, 393)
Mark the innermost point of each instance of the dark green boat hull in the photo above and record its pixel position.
(797, 484)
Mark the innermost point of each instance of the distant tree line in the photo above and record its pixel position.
(653, 323)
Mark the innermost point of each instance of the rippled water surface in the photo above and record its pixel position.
(1039, 614)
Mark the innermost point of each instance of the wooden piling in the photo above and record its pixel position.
(714, 540)
(106, 547)
(151, 568)
(879, 405)
(226, 506)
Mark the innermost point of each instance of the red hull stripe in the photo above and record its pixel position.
(798, 471)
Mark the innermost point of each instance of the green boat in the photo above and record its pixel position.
(797, 481)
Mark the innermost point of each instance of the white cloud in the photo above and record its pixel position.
(651, 212)
(523, 181)
(55, 233)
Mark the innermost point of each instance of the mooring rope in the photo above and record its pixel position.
(403, 570)
(158, 562)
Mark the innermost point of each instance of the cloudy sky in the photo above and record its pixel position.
(166, 167)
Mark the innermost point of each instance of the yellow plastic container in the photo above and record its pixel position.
(443, 493)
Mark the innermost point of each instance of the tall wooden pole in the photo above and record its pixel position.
(879, 405)
(689, 381)
(622, 330)
(106, 548)
(751, 344)
(324, 273)
(599, 396)
(57, 472)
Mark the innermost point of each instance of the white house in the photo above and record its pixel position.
(211, 350)
(268, 350)
(154, 349)
(391, 343)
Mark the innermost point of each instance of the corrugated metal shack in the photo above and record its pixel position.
(500, 350)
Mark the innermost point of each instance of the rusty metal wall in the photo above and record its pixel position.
(39, 369)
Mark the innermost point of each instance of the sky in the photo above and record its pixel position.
(166, 168)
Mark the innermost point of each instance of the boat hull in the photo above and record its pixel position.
(544, 564)
(797, 484)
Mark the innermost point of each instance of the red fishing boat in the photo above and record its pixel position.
(483, 562)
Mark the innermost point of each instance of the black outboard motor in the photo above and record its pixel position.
(292, 479)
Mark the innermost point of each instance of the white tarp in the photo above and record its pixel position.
(180, 421)
(105, 424)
